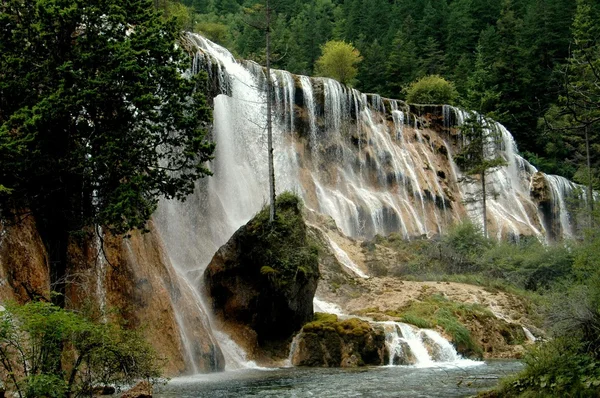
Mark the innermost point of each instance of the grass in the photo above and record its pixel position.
(437, 311)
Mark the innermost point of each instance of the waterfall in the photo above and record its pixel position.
(375, 169)
(409, 345)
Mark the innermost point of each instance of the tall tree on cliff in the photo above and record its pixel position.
(579, 111)
(478, 157)
(96, 120)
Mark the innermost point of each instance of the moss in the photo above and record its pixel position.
(325, 317)
(281, 250)
(436, 310)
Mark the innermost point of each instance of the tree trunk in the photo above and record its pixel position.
(590, 192)
(484, 204)
(269, 117)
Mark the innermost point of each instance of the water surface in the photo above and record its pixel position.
(397, 381)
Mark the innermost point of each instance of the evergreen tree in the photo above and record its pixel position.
(402, 65)
(96, 121)
(581, 99)
(478, 157)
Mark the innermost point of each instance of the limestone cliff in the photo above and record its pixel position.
(130, 276)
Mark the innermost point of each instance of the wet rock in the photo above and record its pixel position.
(265, 277)
(143, 389)
(103, 390)
(433, 348)
(404, 356)
(333, 343)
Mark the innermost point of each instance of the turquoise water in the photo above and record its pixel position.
(399, 381)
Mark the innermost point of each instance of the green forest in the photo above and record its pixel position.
(510, 59)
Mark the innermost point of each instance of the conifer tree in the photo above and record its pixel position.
(96, 120)
(478, 157)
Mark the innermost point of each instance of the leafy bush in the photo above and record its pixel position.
(431, 89)
(339, 60)
(47, 351)
(558, 368)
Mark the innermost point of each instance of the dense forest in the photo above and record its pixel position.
(507, 58)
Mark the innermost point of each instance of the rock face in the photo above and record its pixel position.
(141, 390)
(132, 276)
(266, 276)
(333, 343)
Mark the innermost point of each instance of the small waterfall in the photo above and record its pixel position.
(325, 307)
(343, 258)
(309, 104)
(530, 337)
(409, 345)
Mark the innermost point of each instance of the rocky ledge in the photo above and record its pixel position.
(329, 342)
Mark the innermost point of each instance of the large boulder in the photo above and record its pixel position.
(265, 277)
(328, 342)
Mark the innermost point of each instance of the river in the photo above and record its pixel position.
(381, 382)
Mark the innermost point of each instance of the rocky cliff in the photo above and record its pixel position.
(130, 276)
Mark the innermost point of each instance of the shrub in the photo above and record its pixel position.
(431, 89)
(558, 368)
(47, 351)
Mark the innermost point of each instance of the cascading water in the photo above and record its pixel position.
(510, 205)
(372, 166)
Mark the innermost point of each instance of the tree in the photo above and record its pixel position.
(581, 100)
(96, 120)
(432, 89)
(34, 363)
(339, 61)
(478, 157)
(402, 64)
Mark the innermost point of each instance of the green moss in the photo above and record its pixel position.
(324, 317)
(437, 310)
(281, 250)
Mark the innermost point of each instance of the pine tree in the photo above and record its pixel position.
(96, 120)
(478, 157)
(581, 99)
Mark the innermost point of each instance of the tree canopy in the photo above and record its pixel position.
(339, 61)
(96, 119)
(432, 89)
(35, 363)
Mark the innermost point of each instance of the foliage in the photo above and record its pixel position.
(431, 89)
(96, 120)
(282, 250)
(339, 61)
(52, 352)
(558, 368)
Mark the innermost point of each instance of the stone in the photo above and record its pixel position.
(143, 389)
(348, 343)
(272, 300)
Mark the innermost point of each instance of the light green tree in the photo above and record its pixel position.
(432, 89)
(339, 60)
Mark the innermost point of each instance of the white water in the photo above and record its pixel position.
(343, 258)
(373, 172)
